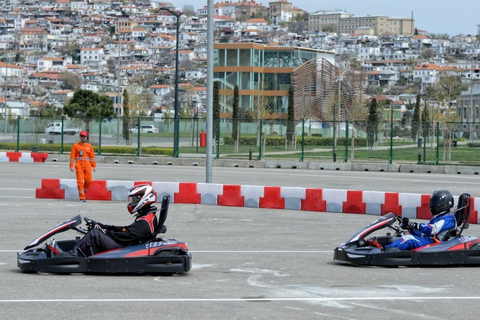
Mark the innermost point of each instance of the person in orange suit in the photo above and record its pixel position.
(83, 158)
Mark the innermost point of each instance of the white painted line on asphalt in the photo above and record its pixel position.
(265, 251)
(314, 299)
(226, 251)
(17, 197)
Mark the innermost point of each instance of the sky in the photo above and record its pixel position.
(434, 16)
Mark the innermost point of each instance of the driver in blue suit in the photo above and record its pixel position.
(422, 234)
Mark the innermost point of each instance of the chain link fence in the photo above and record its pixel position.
(255, 139)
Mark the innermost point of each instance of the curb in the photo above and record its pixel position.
(281, 164)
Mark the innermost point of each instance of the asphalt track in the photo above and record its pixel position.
(247, 263)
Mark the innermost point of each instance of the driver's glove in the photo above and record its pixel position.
(99, 228)
(407, 224)
(90, 222)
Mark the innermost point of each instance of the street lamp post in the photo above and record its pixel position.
(176, 127)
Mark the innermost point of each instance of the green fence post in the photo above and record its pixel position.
(346, 143)
(391, 135)
(18, 134)
(139, 126)
(259, 157)
(303, 140)
(99, 152)
(61, 138)
(217, 156)
(438, 142)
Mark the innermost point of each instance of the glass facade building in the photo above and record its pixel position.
(258, 69)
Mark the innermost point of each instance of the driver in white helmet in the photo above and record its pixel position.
(102, 237)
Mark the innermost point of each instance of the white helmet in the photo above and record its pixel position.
(139, 197)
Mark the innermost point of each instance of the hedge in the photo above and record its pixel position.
(309, 141)
(105, 149)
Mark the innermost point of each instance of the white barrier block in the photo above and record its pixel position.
(251, 195)
(25, 157)
(334, 199)
(70, 187)
(119, 189)
(409, 203)
(166, 188)
(293, 197)
(374, 201)
(3, 157)
(209, 192)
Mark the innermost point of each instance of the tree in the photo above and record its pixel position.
(425, 121)
(87, 105)
(216, 109)
(126, 117)
(416, 119)
(291, 117)
(427, 54)
(372, 123)
(261, 108)
(44, 110)
(70, 81)
(236, 96)
(446, 89)
(189, 10)
(141, 100)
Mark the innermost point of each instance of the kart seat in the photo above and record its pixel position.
(462, 214)
(161, 228)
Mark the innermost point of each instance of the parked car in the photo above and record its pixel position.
(145, 129)
(56, 128)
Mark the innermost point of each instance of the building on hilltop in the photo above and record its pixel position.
(344, 22)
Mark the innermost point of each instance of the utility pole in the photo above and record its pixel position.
(5, 97)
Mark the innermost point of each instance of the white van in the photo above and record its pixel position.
(56, 128)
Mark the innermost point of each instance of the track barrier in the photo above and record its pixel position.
(410, 205)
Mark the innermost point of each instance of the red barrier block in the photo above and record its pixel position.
(137, 183)
(423, 212)
(14, 156)
(232, 196)
(272, 199)
(314, 201)
(391, 204)
(98, 191)
(354, 203)
(39, 156)
(187, 193)
(50, 190)
(473, 213)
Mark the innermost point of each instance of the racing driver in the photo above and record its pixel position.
(83, 158)
(102, 237)
(422, 234)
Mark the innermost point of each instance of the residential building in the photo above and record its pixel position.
(343, 22)
(92, 56)
(324, 18)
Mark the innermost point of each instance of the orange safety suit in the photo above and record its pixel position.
(83, 157)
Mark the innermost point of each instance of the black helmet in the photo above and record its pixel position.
(440, 201)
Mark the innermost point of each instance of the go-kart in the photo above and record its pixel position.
(453, 249)
(158, 255)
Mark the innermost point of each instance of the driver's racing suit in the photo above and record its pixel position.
(427, 233)
(104, 237)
